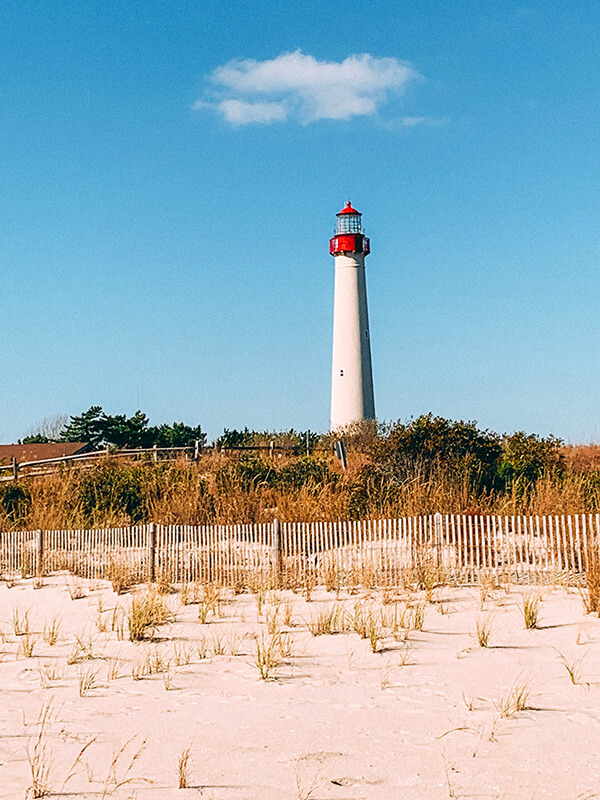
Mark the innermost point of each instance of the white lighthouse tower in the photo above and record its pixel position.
(352, 398)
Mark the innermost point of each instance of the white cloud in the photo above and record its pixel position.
(295, 85)
(431, 122)
(240, 112)
(411, 122)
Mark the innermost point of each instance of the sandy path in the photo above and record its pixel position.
(419, 719)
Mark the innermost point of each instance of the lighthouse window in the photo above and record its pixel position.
(341, 373)
(366, 334)
(348, 223)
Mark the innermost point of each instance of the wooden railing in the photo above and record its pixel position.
(424, 550)
(16, 469)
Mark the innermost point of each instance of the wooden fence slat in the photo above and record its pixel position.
(531, 549)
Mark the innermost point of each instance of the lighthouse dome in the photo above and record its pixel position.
(348, 220)
(347, 209)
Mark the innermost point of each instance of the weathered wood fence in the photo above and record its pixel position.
(15, 470)
(443, 548)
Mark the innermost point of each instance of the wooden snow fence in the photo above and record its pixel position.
(433, 549)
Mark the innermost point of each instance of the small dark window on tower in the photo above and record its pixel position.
(366, 334)
(341, 373)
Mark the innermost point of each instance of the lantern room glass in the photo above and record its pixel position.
(348, 223)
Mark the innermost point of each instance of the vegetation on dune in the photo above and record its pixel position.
(425, 465)
(100, 429)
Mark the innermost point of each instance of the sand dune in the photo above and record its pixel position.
(430, 714)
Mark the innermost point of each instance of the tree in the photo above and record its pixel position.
(525, 456)
(235, 438)
(47, 430)
(122, 431)
(427, 442)
(87, 427)
(177, 435)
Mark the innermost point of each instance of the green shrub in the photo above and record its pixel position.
(15, 501)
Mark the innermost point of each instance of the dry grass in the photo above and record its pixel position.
(374, 634)
(288, 613)
(27, 645)
(87, 680)
(214, 492)
(183, 769)
(210, 603)
(148, 610)
(121, 575)
(83, 650)
(267, 658)
(573, 667)
(515, 700)
(218, 644)
(190, 593)
(51, 631)
(426, 573)
(530, 604)
(582, 457)
(327, 621)
(151, 662)
(113, 671)
(121, 767)
(167, 677)
(20, 622)
(272, 618)
(39, 754)
(418, 616)
(75, 588)
(182, 654)
(484, 628)
(202, 650)
(398, 620)
(359, 620)
(307, 772)
(118, 622)
(49, 673)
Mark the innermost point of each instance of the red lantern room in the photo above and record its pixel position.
(349, 235)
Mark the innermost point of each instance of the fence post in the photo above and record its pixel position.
(196, 449)
(15, 468)
(39, 567)
(151, 552)
(277, 551)
(437, 518)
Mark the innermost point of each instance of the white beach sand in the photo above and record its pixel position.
(418, 720)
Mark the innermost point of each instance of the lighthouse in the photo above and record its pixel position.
(352, 398)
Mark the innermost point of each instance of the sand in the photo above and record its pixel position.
(427, 716)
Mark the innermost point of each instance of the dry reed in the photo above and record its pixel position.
(183, 769)
(148, 611)
(530, 604)
(267, 658)
(39, 754)
(216, 491)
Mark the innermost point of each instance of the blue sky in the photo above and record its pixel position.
(170, 178)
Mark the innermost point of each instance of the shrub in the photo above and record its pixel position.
(15, 501)
(111, 490)
(525, 457)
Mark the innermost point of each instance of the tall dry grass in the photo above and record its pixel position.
(582, 457)
(223, 488)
